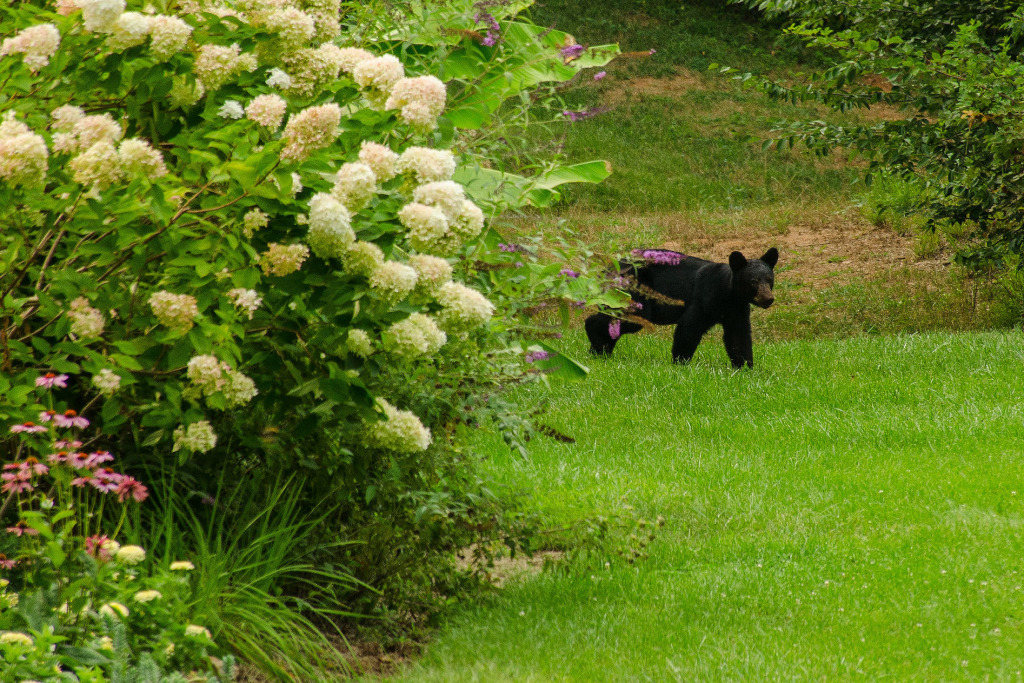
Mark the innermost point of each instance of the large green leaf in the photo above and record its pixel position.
(559, 364)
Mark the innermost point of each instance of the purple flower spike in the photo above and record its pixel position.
(571, 51)
(615, 329)
(579, 304)
(511, 248)
(519, 264)
(599, 75)
(575, 116)
(662, 257)
(568, 272)
(535, 356)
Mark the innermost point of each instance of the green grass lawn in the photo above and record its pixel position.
(848, 510)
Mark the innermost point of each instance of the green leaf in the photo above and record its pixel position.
(55, 553)
(560, 365)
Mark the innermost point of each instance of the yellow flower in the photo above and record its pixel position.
(113, 609)
(106, 643)
(146, 596)
(8, 637)
(182, 566)
(193, 630)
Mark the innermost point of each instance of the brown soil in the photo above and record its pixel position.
(619, 90)
(507, 569)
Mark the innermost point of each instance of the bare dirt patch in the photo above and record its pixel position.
(617, 89)
(507, 569)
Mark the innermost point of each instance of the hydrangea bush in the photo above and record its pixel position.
(252, 235)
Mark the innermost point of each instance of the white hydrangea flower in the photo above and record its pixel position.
(281, 260)
(311, 129)
(98, 166)
(418, 335)
(380, 159)
(176, 311)
(419, 101)
(393, 280)
(114, 609)
(130, 555)
(402, 431)
(239, 389)
(208, 373)
(86, 321)
(426, 225)
(184, 94)
(293, 27)
(359, 343)
(65, 117)
(199, 437)
(253, 220)
(23, 154)
(168, 36)
(231, 110)
(130, 29)
(464, 308)
(446, 195)
(100, 15)
(86, 132)
(247, 300)
(267, 110)
(428, 165)
(107, 381)
(137, 157)
(216, 65)
(279, 79)
(38, 43)
(66, 8)
(312, 69)
(330, 227)
(354, 185)
(363, 258)
(431, 271)
(470, 221)
(379, 73)
(350, 57)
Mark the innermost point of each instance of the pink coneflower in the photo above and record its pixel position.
(47, 415)
(67, 444)
(16, 482)
(27, 427)
(94, 546)
(130, 486)
(79, 460)
(5, 563)
(599, 75)
(57, 458)
(33, 466)
(105, 480)
(80, 481)
(21, 528)
(50, 380)
(99, 457)
(70, 419)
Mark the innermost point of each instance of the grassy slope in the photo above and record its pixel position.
(847, 510)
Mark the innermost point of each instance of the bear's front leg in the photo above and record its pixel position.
(737, 337)
(689, 331)
(597, 327)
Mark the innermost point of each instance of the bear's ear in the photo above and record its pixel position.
(771, 257)
(737, 261)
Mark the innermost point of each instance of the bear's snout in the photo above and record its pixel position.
(764, 297)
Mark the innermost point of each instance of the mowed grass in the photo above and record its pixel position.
(848, 510)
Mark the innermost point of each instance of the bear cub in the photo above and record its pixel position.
(669, 288)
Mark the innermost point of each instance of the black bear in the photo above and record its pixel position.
(669, 288)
